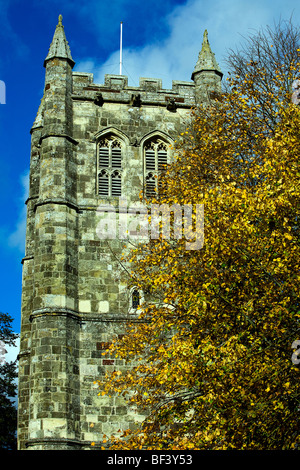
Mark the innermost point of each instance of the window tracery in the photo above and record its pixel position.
(109, 167)
(156, 160)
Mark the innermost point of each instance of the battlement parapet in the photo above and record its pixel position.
(116, 89)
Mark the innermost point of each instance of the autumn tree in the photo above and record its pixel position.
(265, 63)
(213, 343)
(8, 387)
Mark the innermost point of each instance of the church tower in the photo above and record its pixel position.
(94, 149)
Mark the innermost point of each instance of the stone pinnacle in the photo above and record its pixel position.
(206, 59)
(59, 48)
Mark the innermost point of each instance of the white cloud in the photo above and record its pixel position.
(12, 351)
(174, 57)
(10, 356)
(17, 238)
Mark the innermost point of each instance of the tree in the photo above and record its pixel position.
(213, 344)
(8, 374)
(265, 64)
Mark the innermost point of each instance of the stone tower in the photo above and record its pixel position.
(93, 145)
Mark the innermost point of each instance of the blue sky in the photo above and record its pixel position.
(161, 39)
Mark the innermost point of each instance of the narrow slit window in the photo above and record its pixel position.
(135, 298)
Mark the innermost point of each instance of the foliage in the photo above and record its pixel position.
(266, 62)
(8, 374)
(212, 347)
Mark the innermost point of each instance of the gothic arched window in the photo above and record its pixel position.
(109, 167)
(156, 160)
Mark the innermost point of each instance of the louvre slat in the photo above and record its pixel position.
(150, 189)
(103, 186)
(103, 157)
(150, 160)
(116, 185)
(116, 158)
(150, 185)
(162, 160)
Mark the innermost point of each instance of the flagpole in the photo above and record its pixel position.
(121, 45)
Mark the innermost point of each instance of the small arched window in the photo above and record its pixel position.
(135, 299)
(109, 162)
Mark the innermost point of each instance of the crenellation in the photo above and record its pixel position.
(150, 92)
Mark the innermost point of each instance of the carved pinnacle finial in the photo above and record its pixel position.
(205, 43)
(206, 60)
(59, 46)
